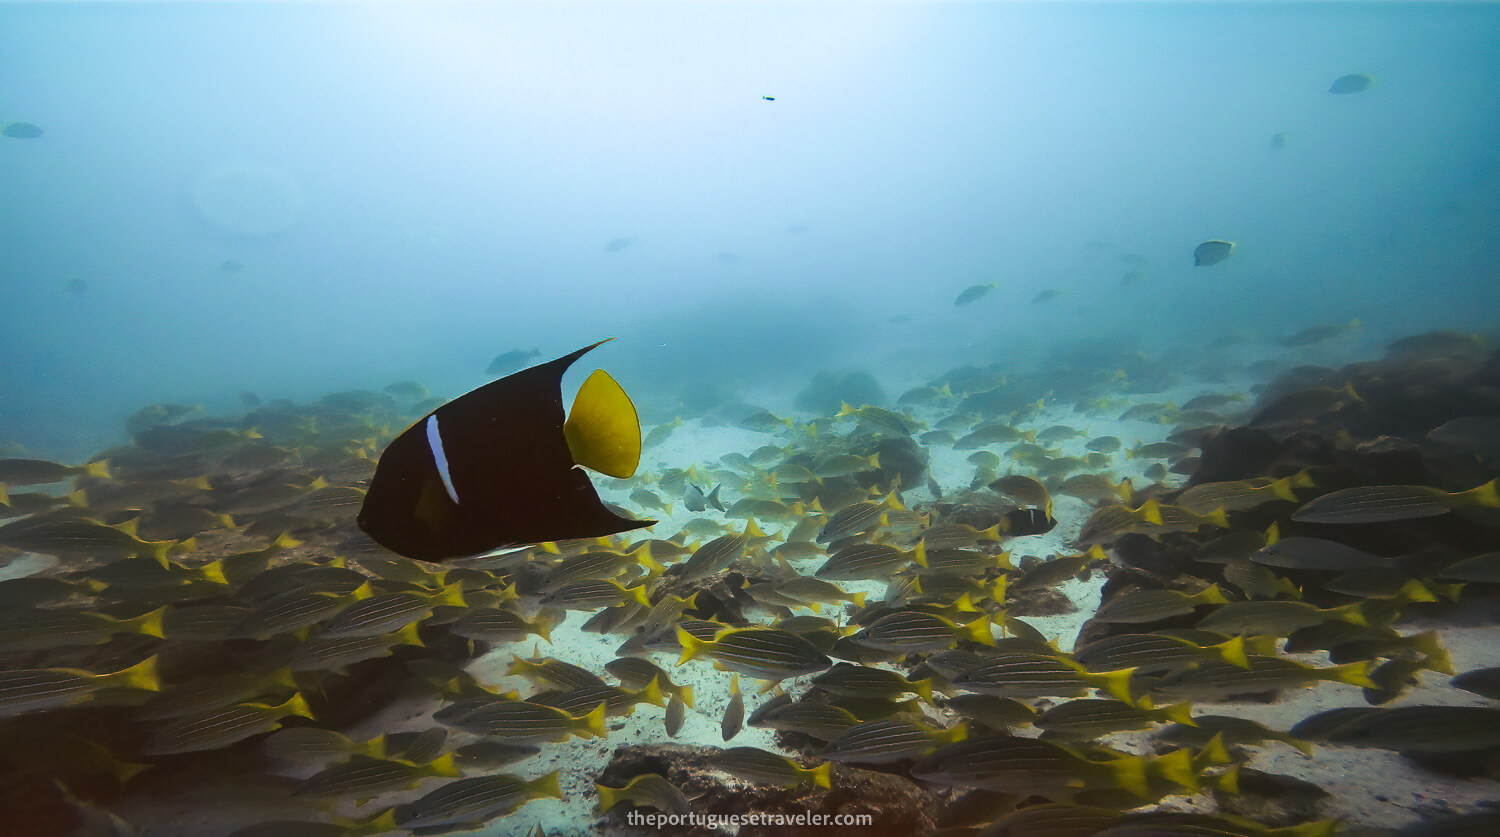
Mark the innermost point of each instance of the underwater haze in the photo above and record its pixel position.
(292, 199)
(1122, 380)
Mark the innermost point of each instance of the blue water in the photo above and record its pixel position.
(292, 199)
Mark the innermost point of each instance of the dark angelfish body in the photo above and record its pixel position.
(500, 466)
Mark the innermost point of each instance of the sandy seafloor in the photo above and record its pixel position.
(1367, 786)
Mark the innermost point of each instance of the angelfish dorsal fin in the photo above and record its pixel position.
(603, 430)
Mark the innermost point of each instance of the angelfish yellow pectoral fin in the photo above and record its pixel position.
(603, 430)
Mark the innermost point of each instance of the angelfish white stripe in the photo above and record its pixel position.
(435, 441)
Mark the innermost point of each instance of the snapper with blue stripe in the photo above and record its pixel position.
(502, 466)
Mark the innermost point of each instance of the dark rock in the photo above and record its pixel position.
(700, 397)
(1187, 466)
(903, 462)
(1364, 424)
(1042, 601)
(1422, 383)
(828, 391)
(1474, 824)
(965, 809)
(1166, 559)
(1272, 799)
(995, 402)
(685, 766)
(721, 597)
(1236, 453)
(1465, 764)
(736, 413)
(896, 805)
(1121, 581)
